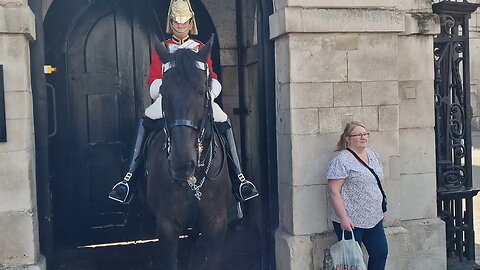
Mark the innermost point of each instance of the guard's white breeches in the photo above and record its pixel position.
(154, 111)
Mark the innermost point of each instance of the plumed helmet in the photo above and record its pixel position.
(181, 11)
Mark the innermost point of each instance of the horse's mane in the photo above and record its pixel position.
(186, 66)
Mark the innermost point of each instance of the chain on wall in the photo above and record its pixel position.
(453, 131)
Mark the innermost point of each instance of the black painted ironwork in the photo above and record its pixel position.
(453, 116)
(3, 124)
(456, 1)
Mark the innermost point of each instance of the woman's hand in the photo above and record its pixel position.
(346, 224)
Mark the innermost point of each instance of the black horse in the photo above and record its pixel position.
(187, 176)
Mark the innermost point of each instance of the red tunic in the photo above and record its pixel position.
(156, 71)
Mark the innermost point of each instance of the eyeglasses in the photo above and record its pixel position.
(359, 135)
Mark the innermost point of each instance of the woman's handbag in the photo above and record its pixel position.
(384, 200)
(347, 254)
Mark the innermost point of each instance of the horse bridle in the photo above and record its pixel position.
(191, 124)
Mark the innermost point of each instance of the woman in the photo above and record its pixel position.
(355, 195)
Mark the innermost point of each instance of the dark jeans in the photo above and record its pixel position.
(374, 240)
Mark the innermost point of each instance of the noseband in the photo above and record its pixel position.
(190, 124)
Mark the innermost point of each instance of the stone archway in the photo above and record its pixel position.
(227, 58)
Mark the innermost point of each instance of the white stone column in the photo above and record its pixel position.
(356, 60)
(417, 183)
(19, 245)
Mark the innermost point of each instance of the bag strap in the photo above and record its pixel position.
(370, 169)
(343, 235)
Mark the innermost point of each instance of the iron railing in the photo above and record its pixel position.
(457, 1)
(453, 116)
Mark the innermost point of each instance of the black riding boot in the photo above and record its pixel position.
(243, 189)
(121, 191)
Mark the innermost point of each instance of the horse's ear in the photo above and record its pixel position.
(204, 52)
(162, 51)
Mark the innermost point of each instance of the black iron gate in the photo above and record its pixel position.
(453, 116)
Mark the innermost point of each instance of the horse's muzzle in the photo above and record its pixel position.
(183, 171)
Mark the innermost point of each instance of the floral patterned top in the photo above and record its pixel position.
(360, 192)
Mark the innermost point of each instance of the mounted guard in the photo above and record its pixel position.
(181, 24)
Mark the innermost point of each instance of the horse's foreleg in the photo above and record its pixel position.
(168, 241)
(196, 258)
(213, 235)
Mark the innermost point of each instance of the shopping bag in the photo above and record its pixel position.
(347, 255)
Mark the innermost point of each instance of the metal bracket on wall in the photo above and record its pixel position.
(3, 124)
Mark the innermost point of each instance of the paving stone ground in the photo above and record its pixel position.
(242, 251)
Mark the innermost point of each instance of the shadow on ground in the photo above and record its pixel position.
(241, 252)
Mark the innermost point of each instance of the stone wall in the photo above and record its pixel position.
(475, 67)
(224, 17)
(18, 213)
(370, 61)
(223, 14)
